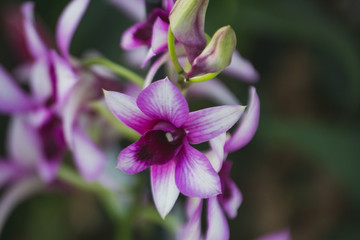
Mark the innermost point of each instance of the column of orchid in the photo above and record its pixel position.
(58, 113)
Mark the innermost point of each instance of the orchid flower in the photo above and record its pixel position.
(52, 79)
(161, 115)
(230, 199)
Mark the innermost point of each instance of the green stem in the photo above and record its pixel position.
(118, 69)
(172, 52)
(204, 77)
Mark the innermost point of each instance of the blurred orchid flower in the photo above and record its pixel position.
(161, 115)
(52, 79)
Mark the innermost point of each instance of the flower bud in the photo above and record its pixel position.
(187, 19)
(217, 54)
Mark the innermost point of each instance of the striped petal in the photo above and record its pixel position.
(125, 109)
(194, 174)
(163, 100)
(209, 123)
(164, 189)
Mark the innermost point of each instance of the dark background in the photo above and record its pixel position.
(301, 171)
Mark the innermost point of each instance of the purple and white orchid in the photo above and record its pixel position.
(161, 115)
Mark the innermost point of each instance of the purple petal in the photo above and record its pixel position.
(41, 82)
(154, 68)
(192, 229)
(164, 189)
(278, 235)
(134, 8)
(194, 174)
(217, 146)
(8, 171)
(48, 168)
(35, 45)
(12, 97)
(163, 100)
(130, 39)
(208, 123)
(248, 124)
(128, 160)
(16, 194)
(65, 77)
(159, 36)
(231, 197)
(214, 90)
(242, 69)
(218, 228)
(125, 109)
(187, 19)
(89, 159)
(83, 92)
(67, 24)
(23, 143)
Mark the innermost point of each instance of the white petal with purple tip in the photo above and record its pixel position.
(218, 228)
(41, 82)
(125, 109)
(67, 24)
(164, 189)
(192, 229)
(247, 126)
(217, 145)
(12, 97)
(163, 100)
(208, 123)
(194, 175)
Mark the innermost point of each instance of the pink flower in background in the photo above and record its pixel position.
(161, 115)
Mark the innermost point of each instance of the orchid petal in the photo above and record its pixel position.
(89, 159)
(83, 92)
(217, 146)
(231, 198)
(134, 8)
(16, 194)
(242, 69)
(35, 45)
(248, 124)
(168, 5)
(154, 68)
(41, 82)
(131, 40)
(48, 168)
(159, 38)
(128, 160)
(208, 123)
(194, 174)
(217, 54)
(8, 171)
(67, 24)
(164, 189)
(65, 77)
(125, 109)
(187, 20)
(218, 228)
(163, 100)
(192, 229)
(24, 142)
(12, 98)
(213, 89)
